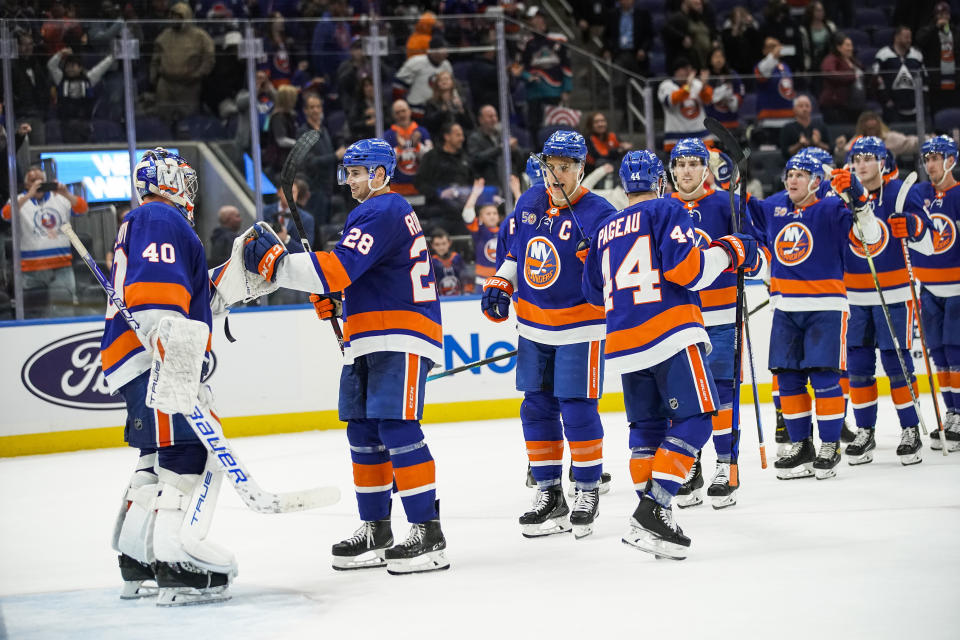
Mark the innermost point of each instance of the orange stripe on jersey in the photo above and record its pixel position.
(863, 395)
(687, 271)
(593, 375)
(640, 470)
(412, 387)
(6, 211)
(896, 278)
(393, 319)
(845, 386)
(774, 113)
(718, 297)
(672, 463)
(775, 385)
(152, 293)
(929, 275)
(700, 379)
(793, 405)
(808, 287)
(333, 271)
(723, 420)
(557, 317)
(164, 434)
(372, 475)
(901, 395)
(484, 271)
(82, 206)
(586, 450)
(119, 348)
(659, 325)
(474, 226)
(416, 475)
(544, 450)
(830, 406)
(844, 318)
(42, 264)
(955, 381)
(679, 96)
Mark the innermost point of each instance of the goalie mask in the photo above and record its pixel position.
(167, 175)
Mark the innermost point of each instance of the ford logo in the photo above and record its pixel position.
(67, 373)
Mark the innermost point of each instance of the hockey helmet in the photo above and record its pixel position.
(165, 174)
(871, 145)
(690, 148)
(534, 172)
(820, 155)
(642, 171)
(804, 162)
(370, 153)
(566, 144)
(944, 145)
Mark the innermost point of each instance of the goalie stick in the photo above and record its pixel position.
(206, 425)
(287, 175)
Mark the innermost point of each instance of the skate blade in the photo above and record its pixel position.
(367, 560)
(803, 471)
(581, 531)
(135, 589)
(548, 527)
(692, 499)
(649, 543)
(858, 460)
(424, 563)
(826, 474)
(184, 596)
(911, 459)
(722, 502)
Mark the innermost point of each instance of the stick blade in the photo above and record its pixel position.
(725, 138)
(291, 501)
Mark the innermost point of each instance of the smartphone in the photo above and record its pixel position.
(48, 186)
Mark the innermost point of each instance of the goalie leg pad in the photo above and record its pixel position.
(133, 531)
(180, 345)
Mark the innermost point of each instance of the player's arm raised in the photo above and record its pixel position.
(693, 268)
(855, 197)
(913, 224)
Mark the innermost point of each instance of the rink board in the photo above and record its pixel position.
(281, 375)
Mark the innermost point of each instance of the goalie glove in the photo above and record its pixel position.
(326, 307)
(231, 283)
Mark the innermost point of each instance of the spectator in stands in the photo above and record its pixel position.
(419, 41)
(362, 118)
(683, 97)
(353, 70)
(277, 46)
(411, 142)
(280, 130)
(449, 269)
(842, 97)
(938, 42)
(321, 164)
(482, 217)
(741, 40)
(75, 97)
(483, 80)
(23, 130)
(183, 56)
(221, 240)
(871, 124)
(775, 91)
(485, 150)
(894, 69)
(816, 33)
(690, 32)
(229, 69)
(331, 40)
(627, 37)
(445, 179)
(779, 23)
(603, 145)
(415, 74)
(546, 70)
(31, 88)
(728, 91)
(45, 257)
(445, 104)
(590, 18)
(802, 132)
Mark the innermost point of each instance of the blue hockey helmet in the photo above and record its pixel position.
(642, 171)
(165, 174)
(820, 155)
(566, 144)
(804, 162)
(690, 148)
(534, 172)
(871, 145)
(944, 145)
(370, 153)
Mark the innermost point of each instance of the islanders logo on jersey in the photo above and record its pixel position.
(794, 244)
(703, 238)
(944, 232)
(690, 109)
(876, 248)
(785, 87)
(541, 263)
(46, 219)
(490, 250)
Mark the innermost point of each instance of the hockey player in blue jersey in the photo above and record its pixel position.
(392, 336)
(160, 271)
(534, 176)
(644, 267)
(559, 359)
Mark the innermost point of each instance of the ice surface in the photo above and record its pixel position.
(872, 553)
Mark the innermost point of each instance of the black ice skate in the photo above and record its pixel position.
(605, 479)
(183, 583)
(846, 433)
(827, 460)
(860, 451)
(365, 548)
(951, 430)
(548, 514)
(652, 529)
(781, 436)
(723, 489)
(586, 508)
(690, 494)
(423, 550)
(134, 574)
(797, 462)
(910, 447)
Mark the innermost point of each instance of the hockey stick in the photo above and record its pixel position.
(206, 425)
(756, 395)
(886, 313)
(758, 307)
(472, 365)
(288, 174)
(901, 201)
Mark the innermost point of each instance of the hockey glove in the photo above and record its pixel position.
(846, 183)
(906, 225)
(741, 248)
(495, 302)
(583, 250)
(327, 308)
(263, 252)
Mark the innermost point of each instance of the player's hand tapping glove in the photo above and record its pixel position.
(583, 250)
(742, 249)
(844, 182)
(263, 252)
(327, 308)
(906, 225)
(495, 302)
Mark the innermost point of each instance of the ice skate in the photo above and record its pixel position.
(586, 508)
(365, 548)
(183, 583)
(781, 436)
(531, 482)
(797, 462)
(653, 530)
(424, 550)
(605, 479)
(847, 434)
(910, 447)
(951, 430)
(860, 451)
(722, 492)
(690, 494)
(548, 515)
(827, 459)
(135, 574)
